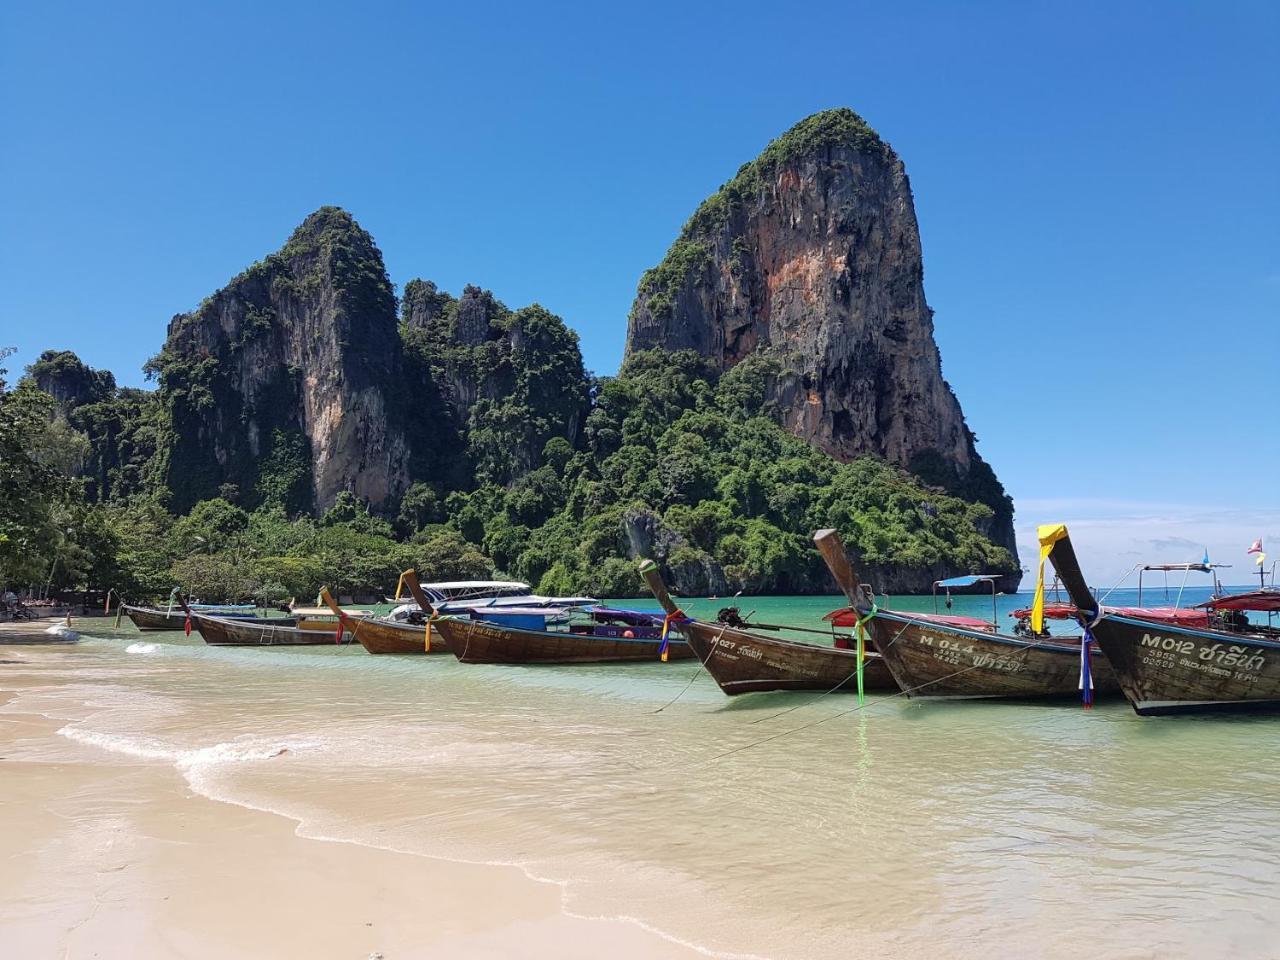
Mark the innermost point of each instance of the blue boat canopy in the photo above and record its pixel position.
(968, 581)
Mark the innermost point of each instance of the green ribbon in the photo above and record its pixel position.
(861, 632)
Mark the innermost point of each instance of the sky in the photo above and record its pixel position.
(1097, 184)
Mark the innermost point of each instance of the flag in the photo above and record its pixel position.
(1262, 558)
(1257, 546)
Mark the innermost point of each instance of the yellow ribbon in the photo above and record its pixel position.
(1048, 534)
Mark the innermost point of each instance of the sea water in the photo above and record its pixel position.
(765, 825)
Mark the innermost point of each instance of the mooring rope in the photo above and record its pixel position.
(809, 703)
(855, 709)
(702, 665)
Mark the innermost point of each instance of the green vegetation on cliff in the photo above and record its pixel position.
(700, 473)
(498, 384)
(670, 460)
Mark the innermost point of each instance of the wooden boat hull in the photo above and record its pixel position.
(475, 641)
(935, 661)
(148, 618)
(742, 662)
(144, 618)
(1165, 669)
(390, 637)
(218, 632)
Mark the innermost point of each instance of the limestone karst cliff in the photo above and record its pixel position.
(508, 381)
(116, 425)
(781, 376)
(279, 384)
(811, 253)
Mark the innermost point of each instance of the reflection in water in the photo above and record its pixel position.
(906, 829)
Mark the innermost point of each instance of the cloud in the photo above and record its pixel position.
(1112, 536)
(1175, 543)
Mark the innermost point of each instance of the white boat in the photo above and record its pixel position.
(460, 596)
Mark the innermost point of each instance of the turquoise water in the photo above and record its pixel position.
(771, 825)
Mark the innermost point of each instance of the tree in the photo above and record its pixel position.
(214, 579)
(34, 497)
(419, 508)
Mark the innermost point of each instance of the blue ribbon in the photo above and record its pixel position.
(1086, 674)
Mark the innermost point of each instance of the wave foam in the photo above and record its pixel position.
(195, 764)
(141, 647)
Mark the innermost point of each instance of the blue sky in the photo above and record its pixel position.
(1096, 184)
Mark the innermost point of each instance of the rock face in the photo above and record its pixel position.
(687, 573)
(812, 253)
(114, 423)
(282, 385)
(66, 378)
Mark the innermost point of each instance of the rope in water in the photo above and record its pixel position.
(702, 665)
(862, 706)
(838, 686)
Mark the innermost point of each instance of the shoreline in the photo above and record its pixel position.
(124, 858)
(476, 812)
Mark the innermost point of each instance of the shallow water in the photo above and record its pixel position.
(771, 825)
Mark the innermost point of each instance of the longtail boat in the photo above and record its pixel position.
(397, 637)
(741, 661)
(523, 636)
(382, 635)
(259, 631)
(264, 632)
(931, 658)
(150, 618)
(1168, 668)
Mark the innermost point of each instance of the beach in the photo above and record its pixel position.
(162, 798)
(124, 860)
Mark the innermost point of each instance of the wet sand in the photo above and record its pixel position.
(111, 860)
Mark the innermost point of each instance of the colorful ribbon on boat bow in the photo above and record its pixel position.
(1086, 668)
(675, 616)
(1048, 534)
(860, 631)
